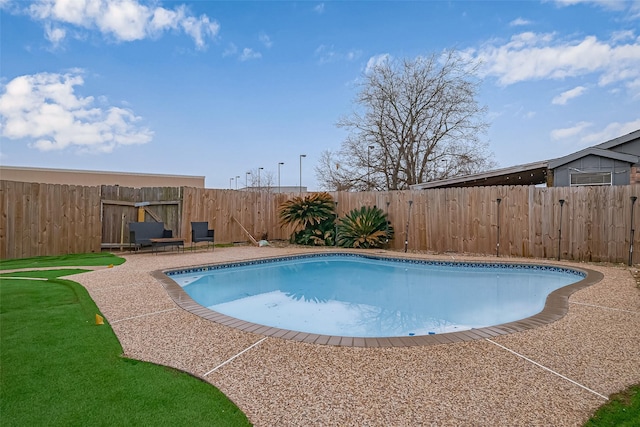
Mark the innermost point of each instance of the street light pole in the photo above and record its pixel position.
(369, 167)
(279, 164)
(237, 178)
(246, 181)
(259, 185)
(301, 156)
(230, 183)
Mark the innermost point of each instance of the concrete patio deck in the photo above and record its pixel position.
(556, 374)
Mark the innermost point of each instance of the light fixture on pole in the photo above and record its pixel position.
(633, 202)
(246, 180)
(237, 178)
(560, 228)
(279, 164)
(335, 229)
(301, 156)
(259, 185)
(498, 230)
(386, 239)
(406, 232)
(371, 147)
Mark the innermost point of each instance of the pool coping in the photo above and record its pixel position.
(556, 307)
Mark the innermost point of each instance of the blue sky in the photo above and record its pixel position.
(219, 88)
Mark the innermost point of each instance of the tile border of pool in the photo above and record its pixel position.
(556, 305)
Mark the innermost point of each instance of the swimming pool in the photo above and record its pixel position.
(354, 295)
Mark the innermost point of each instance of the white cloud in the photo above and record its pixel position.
(319, 8)
(55, 35)
(606, 4)
(45, 110)
(265, 40)
(565, 133)
(519, 22)
(612, 130)
(376, 61)
(200, 29)
(231, 49)
(124, 20)
(531, 56)
(631, 8)
(327, 54)
(567, 95)
(248, 54)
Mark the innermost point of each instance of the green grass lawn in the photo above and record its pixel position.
(58, 368)
(93, 259)
(623, 410)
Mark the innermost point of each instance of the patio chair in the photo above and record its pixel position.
(200, 232)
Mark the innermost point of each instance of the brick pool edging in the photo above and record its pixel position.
(556, 307)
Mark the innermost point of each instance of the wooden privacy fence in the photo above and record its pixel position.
(593, 224)
(47, 219)
(596, 221)
(121, 205)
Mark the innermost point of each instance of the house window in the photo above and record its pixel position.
(590, 178)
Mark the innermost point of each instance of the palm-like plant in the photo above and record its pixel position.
(314, 214)
(319, 235)
(366, 227)
(307, 211)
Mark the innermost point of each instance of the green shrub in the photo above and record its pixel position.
(366, 227)
(314, 214)
(322, 234)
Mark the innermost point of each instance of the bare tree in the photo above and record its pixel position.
(260, 180)
(418, 121)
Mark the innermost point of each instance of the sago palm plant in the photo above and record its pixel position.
(319, 235)
(366, 227)
(314, 214)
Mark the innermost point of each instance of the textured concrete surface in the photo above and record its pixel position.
(557, 374)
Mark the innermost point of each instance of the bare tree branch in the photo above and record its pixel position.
(423, 121)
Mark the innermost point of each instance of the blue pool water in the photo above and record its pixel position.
(360, 296)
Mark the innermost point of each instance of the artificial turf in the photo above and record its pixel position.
(91, 259)
(622, 410)
(59, 368)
